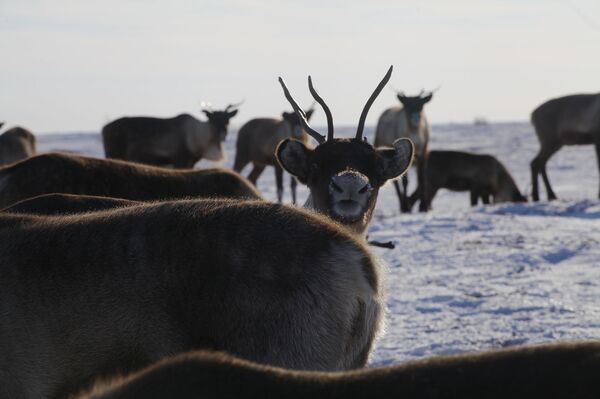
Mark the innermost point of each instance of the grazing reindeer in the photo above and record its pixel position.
(568, 370)
(343, 175)
(570, 120)
(15, 144)
(179, 142)
(482, 175)
(75, 174)
(60, 204)
(114, 291)
(407, 121)
(257, 141)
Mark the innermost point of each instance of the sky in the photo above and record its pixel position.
(74, 65)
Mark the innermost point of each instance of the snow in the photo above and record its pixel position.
(470, 279)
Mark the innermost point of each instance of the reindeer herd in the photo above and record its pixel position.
(122, 278)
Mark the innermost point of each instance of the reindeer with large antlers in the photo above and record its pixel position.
(179, 142)
(343, 175)
(408, 121)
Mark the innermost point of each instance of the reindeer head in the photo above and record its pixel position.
(294, 120)
(343, 175)
(414, 106)
(220, 119)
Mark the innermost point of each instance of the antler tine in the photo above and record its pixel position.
(234, 105)
(318, 98)
(365, 111)
(316, 135)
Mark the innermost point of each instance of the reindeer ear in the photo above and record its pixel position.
(231, 114)
(394, 162)
(293, 157)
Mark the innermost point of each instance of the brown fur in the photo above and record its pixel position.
(60, 204)
(100, 293)
(75, 174)
(569, 120)
(16, 144)
(482, 175)
(568, 370)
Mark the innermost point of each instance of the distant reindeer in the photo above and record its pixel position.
(343, 175)
(76, 174)
(483, 175)
(569, 120)
(100, 293)
(567, 370)
(15, 144)
(407, 121)
(179, 142)
(257, 141)
(60, 204)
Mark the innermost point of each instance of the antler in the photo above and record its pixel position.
(363, 115)
(301, 115)
(234, 105)
(318, 98)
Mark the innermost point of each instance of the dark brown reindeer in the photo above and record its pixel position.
(480, 174)
(568, 370)
(407, 121)
(76, 174)
(15, 144)
(257, 141)
(569, 120)
(114, 291)
(343, 175)
(179, 142)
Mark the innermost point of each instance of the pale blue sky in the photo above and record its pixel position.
(74, 65)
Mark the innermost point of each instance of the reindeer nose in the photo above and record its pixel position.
(350, 185)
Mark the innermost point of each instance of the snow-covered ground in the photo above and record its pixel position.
(463, 278)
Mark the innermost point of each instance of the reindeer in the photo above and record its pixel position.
(407, 121)
(567, 370)
(15, 144)
(343, 175)
(75, 174)
(257, 141)
(569, 120)
(179, 142)
(116, 290)
(482, 175)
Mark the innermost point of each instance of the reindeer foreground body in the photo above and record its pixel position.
(257, 141)
(483, 175)
(16, 144)
(408, 121)
(569, 120)
(343, 175)
(114, 291)
(179, 142)
(75, 174)
(61, 204)
(568, 370)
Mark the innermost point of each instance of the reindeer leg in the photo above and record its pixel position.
(255, 173)
(598, 154)
(421, 184)
(279, 182)
(293, 185)
(404, 203)
(474, 197)
(538, 165)
(485, 198)
(399, 193)
(535, 170)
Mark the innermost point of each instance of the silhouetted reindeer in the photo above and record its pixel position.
(483, 175)
(16, 144)
(343, 175)
(179, 142)
(569, 120)
(568, 370)
(407, 121)
(257, 141)
(75, 174)
(100, 293)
